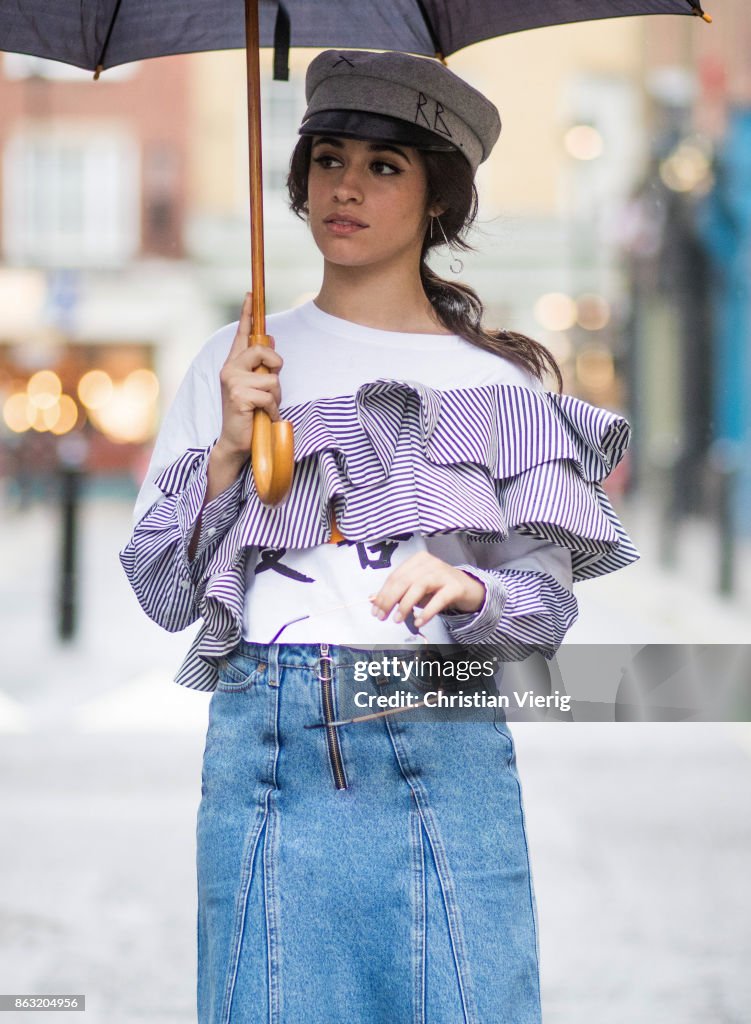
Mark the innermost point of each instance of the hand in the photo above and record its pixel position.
(421, 578)
(246, 388)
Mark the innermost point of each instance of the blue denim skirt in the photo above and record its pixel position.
(368, 873)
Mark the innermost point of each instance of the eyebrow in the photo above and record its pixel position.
(374, 147)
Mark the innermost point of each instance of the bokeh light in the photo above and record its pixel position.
(583, 142)
(19, 412)
(67, 415)
(49, 417)
(687, 169)
(593, 312)
(143, 385)
(556, 311)
(129, 416)
(95, 389)
(44, 389)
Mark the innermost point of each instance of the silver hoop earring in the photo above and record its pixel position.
(456, 266)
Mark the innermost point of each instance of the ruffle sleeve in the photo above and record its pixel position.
(400, 457)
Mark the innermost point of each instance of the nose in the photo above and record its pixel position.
(348, 185)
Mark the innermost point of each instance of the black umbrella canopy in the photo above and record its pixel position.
(92, 33)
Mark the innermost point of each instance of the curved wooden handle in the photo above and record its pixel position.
(272, 447)
(272, 457)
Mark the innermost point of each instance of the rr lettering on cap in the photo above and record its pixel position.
(437, 124)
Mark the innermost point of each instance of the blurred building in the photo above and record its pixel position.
(687, 235)
(94, 281)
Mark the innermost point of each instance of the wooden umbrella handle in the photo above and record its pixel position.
(272, 447)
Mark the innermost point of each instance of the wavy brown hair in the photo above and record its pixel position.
(450, 183)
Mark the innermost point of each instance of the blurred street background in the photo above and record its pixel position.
(615, 227)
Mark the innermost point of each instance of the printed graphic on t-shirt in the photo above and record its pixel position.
(376, 556)
(271, 558)
(281, 606)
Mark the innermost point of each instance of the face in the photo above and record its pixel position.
(366, 201)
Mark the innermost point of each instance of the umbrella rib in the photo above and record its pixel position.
(100, 62)
(434, 40)
(696, 4)
(282, 32)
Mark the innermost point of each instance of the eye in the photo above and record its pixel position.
(390, 169)
(381, 167)
(323, 161)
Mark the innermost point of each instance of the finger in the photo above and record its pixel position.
(270, 408)
(255, 379)
(441, 599)
(396, 588)
(264, 400)
(413, 594)
(240, 341)
(254, 356)
(263, 382)
(268, 383)
(237, 383)
(255, 398)
(392, 591)
(398, 580)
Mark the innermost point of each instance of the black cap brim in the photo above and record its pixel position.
(357, 124)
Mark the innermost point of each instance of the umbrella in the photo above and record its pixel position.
(99, 34)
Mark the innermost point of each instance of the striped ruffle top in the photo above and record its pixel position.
(395, 457)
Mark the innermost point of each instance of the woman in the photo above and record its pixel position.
(378, 870)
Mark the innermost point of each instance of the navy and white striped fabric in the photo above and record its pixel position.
(524, 612)
(397, 457)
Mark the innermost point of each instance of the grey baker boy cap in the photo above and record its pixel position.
(398, 97)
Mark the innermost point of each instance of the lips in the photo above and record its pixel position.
(343, 219)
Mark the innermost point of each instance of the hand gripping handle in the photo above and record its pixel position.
(272, 448)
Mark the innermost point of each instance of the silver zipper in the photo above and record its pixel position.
(332, 739)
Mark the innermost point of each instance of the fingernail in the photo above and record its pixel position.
(398, 616)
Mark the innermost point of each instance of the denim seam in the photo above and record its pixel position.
(531, 896)
(419, 920)
(273, 933)
(450, 903)
(241, 902)
(507, 737)
(270, 862)
(246, 683)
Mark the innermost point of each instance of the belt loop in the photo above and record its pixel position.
(272, 652)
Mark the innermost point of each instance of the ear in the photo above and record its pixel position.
(437, 209)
